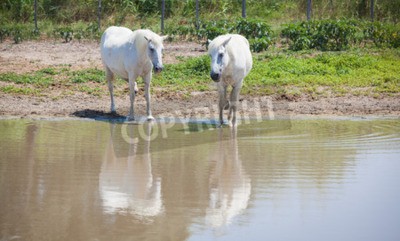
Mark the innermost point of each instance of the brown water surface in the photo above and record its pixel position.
(274, 180)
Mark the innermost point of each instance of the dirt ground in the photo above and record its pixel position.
(31, 56)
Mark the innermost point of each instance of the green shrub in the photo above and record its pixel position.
(17, 36)
(334, 35)
(258, 33)
(65, 33)
(383, 34)
(324, 35)
(198, 66)
(212, 29)
(18, 32)
(4, 33)
(251, 28)
(260, 44)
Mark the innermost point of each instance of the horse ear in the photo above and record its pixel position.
(149, 40)
(164, 37)
(226, 42)
(208, 41)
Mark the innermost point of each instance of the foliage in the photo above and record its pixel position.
(357, 71)
(19, 90)
(374, 71)
(212, 29)
(323, 35)
(257, 32)
(65, 33)
(259, 44)
(18, 32)
(67, 11)
(4, 33)
(38, 79)
(84, 76)
(333, 35)
(77, 19)
(84, 31)
(344, 70)
(192, 72)
(383, 35)
(252, 28)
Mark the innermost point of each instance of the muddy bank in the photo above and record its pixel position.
(199, 105)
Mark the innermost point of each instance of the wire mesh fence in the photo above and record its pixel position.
(76, 10)
(199, 18)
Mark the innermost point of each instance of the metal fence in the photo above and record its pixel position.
(99, 12)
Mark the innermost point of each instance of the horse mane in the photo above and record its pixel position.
(218, 41)
(140, 35)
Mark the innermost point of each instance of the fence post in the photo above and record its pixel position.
(197, 15)
(243, 8)
(35, 15)
(372, 10)
(99, 14)
(308, 10)
(162, 15)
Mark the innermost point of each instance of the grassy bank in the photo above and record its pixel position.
(370, 72)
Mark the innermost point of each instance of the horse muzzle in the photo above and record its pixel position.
(215, 76)
(158, 69)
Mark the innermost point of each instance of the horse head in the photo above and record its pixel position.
(154, 51)
(219, 59)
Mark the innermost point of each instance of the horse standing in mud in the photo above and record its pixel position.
(231, 62)
(130, 55)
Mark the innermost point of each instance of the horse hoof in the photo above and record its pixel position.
(130, 118)
(150, 118)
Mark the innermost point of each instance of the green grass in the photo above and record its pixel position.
(346, 70)
(319, 74)
(38, 79)
(294, 73)
(96, 91)
(23, 90)
(88, 75)
(189, 75)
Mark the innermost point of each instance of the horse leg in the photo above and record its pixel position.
(234, 102)
(110, 79)
(135, 85)
(222, 101)
(136, 88)
(147, 79)
(132, 83)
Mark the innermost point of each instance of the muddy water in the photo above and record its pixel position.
(275, 180)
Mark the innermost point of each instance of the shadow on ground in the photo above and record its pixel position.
(99, 115)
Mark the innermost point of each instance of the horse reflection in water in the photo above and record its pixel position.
(127, 185)
(230, 187)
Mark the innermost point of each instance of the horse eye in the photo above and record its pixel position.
(152, 50)
(220, 55)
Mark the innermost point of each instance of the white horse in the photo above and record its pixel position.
(130, 55)
(231, 62)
